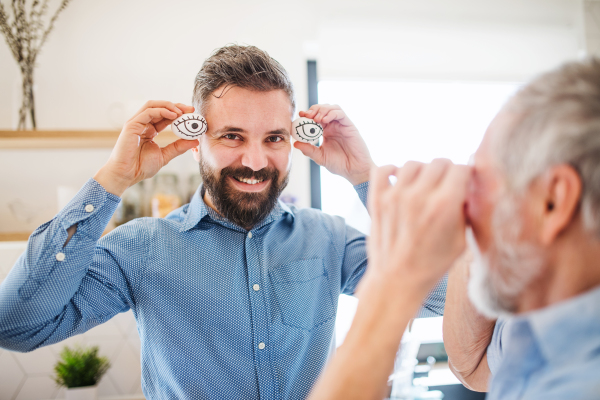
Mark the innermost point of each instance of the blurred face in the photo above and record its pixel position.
(245, 156)
(506, 257)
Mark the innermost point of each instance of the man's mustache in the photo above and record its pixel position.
(247, 173)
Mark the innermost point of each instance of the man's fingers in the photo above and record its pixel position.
(335, 115)
(432, 174)
(318, 111)
(149, 115)
(408, 173)
(379, 184)
(380, 179)
(185, 108)
(313, 152)
(456, 181)
(177, 148)
(158, 104)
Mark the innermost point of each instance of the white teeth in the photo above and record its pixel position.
(249, 181)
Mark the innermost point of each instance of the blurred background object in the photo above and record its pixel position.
(165, 195)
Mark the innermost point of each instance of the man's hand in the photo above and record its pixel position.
(136, 156)
(418, 224)
(417, 231)
(343, 151)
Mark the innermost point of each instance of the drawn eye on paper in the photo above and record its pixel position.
(189, 126)
(306, 130)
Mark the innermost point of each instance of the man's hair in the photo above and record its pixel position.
(247, 67)
(558, 122)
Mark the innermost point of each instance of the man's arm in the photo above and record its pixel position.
(467, 333)
(66, 283)
(417, 233)
(40, 299)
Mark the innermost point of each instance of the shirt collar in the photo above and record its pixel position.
(198, 209)
(568, 329)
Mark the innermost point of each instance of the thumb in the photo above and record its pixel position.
(309, 150)
(177, 148)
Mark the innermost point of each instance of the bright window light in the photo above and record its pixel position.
(403, 121)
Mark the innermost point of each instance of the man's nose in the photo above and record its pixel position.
(254, 157)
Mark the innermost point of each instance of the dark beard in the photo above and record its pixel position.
(244, 209)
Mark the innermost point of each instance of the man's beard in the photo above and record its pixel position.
(498, 278)
(245, 209)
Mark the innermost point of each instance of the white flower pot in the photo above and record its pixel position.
(82, 393)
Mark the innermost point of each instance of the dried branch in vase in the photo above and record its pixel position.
(25, 36)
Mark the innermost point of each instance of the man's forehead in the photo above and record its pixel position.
(244, 106)
(501, 125)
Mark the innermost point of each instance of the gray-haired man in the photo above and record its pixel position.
(531, 207)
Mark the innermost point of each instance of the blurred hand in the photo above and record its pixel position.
(418, 224)
(136, 156)
(343, 151)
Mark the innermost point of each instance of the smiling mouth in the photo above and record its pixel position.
(248, 181)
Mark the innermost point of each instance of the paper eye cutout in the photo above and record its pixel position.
(306, 130)
(189, 126)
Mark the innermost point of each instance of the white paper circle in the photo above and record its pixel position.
(306, 130)
(189, 126)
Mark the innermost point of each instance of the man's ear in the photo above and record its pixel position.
(562, 187)
(196, 153)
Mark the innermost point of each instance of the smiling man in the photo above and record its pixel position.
(235, 294)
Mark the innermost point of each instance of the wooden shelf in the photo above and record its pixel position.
(69, 139)
(14, 236)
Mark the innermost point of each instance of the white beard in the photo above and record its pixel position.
(498, 278)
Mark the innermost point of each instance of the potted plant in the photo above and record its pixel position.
(80, 370)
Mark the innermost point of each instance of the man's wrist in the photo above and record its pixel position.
(361, 177)
(111, 182)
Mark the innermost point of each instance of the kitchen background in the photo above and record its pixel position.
(105, 59)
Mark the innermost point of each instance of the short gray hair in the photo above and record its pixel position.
(247, 67)
(558, 122)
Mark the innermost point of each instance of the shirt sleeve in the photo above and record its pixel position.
(56, 291)
(363, 191)
(434, 304)
(494, 350)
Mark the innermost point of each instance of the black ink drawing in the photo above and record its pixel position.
(189, 126)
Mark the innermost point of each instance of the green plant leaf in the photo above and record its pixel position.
(80, 366)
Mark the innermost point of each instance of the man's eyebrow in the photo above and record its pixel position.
(280, 131)
(230, 129)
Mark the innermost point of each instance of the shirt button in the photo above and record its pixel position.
(249, 235)
(256, 287)
(261, 345)
(89, 208)
(60, 256)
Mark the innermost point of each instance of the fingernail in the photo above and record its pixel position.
(178, 110)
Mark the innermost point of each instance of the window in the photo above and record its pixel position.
(403, 121)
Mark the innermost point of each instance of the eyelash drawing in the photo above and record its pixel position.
(189, 126)
(306, 130)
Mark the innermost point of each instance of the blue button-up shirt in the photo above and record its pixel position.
(552, 353)
(222, 312)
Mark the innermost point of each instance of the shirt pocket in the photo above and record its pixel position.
(302, 292)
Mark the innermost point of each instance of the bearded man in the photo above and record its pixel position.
(234, 294)
(534, 209)
(530, 207)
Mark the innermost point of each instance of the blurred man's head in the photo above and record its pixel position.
(535, 196)
(247, 99)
